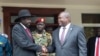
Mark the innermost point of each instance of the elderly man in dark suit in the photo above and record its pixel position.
(23, 42)
(68, 39)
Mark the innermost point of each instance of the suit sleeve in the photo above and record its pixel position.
(82, 43)
(19, 37)
(51, 48)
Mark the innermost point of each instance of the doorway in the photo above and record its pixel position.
(10, 14)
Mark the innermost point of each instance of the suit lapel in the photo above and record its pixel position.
(68, 34)
(57, 34)
(93, 43)
(25, 32)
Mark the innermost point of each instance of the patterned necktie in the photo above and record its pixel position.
(62, 35)
(29, 33)
(97, 47)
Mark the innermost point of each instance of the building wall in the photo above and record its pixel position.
(75, 11)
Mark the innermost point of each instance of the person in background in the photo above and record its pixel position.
(40, 35)
(5, 46)
(22, 39)
(93, 44)
(49, 30)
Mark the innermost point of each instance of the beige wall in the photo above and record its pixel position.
(75, 11)
(1, 17)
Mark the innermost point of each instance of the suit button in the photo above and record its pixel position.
(61, 47)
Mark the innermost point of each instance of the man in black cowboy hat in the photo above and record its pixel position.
(23, 42)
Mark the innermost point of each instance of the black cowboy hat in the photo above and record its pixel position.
(22, 14)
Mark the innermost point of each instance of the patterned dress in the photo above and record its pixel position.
(42, 39)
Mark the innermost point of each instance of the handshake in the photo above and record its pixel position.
(44, 49)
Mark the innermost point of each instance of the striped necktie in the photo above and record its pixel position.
(62, 35)
(97, 51)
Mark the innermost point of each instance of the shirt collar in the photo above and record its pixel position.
(23, 26)
(67, 26)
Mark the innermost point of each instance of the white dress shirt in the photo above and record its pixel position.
(66, 30)
(23, 26)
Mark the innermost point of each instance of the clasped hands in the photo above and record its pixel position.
(44, 49)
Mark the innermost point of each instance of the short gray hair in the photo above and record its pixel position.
(67, 14)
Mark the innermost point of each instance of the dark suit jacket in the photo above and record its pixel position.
(22, 44)
(91, 46)
(74, 43)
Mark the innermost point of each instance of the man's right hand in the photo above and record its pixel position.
(44, 49)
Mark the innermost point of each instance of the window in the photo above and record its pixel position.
(90, 18)
(49, 19)
(90, 22)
